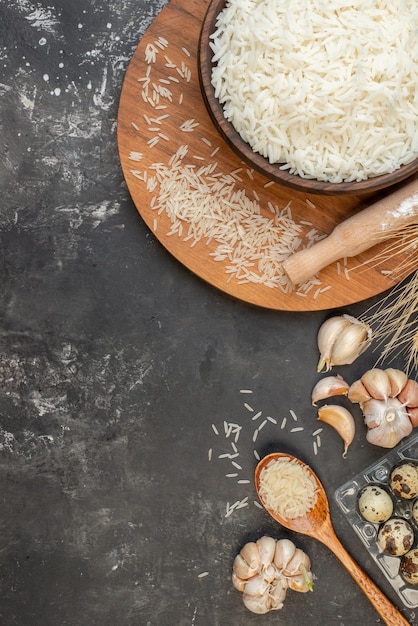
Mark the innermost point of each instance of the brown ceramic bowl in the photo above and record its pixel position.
(260, 163)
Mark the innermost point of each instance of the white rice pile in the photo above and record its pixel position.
(287, 488)
(329, 88)
(205, 203)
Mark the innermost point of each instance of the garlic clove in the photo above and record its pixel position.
(301, 582)
(278, 594)
(238, 582)
(256, 586)
(243, 569)
(327, 335)
(300, 559)
(257, 604)
(358, 393)
(398, 380)
(409, 394)
(350, 342)
(413, 415)
(329, 386)
(266, 547)
(374, 412)
(341, 339)
(341, 420)
(377, 383)
(269, 573)
(251, 555)
(285, 549)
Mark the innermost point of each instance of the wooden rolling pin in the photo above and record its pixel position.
(358, 233)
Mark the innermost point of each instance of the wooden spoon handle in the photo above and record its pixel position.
(387, 611)
(356, 234)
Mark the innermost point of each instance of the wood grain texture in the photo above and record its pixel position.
(168, 49)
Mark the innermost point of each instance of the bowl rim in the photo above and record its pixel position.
(256, 160)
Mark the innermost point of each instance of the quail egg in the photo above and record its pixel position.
(375, 504)
(404, 480)
(395, 537)
(415, 512)
(408, 568)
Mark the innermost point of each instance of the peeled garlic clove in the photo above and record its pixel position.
(398, 380)
(358, 393)
(266, 547)
(285, 549)
(257, 604)
(243, 569)
(329, 386)
(409, 394)
(300, 559)
(341, 420)
(377, 383)
(251, 555)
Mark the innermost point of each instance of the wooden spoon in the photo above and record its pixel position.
(317, 524)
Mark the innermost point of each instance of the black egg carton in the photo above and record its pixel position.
(347, 495)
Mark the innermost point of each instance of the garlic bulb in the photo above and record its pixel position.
(264, 570)
(388, 400)
(341, 339)
(387, 422)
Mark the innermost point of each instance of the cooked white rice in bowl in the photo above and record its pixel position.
(328, 89)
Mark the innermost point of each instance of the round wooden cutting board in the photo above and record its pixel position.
(166, 138)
